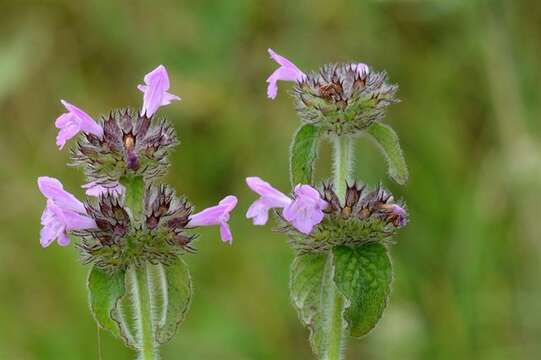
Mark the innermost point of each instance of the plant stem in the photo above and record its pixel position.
(143, 307)
(333, 339)
(135, 189)
(341, 164)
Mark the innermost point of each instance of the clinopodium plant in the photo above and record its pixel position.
(132, 230)
(340, 231)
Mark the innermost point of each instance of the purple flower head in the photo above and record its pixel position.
(270, 199)
(63, 213)
(306, 210)
(95, 189)
(216, 215)
(72, 122)
(287, 72)
(155, 91)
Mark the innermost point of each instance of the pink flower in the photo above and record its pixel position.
(270, 199)
(287, 72)
(303, 212)
(155, 91)
(216, 215)
(94, 189)
(306, 210)
(362, 69)
(72, 122)
(63, 213)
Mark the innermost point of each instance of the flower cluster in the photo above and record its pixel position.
(342, 99)
(161, 235)
(130, 144)
(316, 221)
(359, 218)
(126, 150)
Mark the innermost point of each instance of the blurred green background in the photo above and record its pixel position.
(466, 267)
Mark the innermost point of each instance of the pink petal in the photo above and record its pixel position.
(362, 69)
(214, 215)
(273, 197)
(225, 232)
(286, 72)
(86, 123)
(94, 189)
(259, 212)
(155, 91)
(65, 134)
(52, 189)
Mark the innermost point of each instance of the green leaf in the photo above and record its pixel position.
(105, 292)
(306, 292)
(176, 287)
(363, 275)
(303, 154)
(388, 142)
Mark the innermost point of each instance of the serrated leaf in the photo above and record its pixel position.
(105, 293)
(306, 292)
(389, 144)
(363, 275)
(303, 154)
(176, 287)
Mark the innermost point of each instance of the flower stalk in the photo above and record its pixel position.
(333, 341)
(142, 294)
(342, 164)
(143, 305)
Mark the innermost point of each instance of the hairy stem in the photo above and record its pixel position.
(135, 189)
(341, 164)
(333, 338)
(142, 297)
(332, 341)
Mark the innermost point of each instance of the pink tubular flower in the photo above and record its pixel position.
(63, 213)
(216, 215)
(155, 91)
(303, 212)
(94, 189)
(287, 72)
(306, 210)
(72, 122)
(270, 199)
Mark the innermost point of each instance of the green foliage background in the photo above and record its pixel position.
(467, 266)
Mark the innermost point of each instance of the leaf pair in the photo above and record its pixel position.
(303, 152)
(112, 304)
(362, 276)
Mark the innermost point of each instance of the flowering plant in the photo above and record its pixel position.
(132, 229)
(341, 275)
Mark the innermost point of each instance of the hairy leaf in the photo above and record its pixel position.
(303, 154)
(388, 142)
(105, 293)
(176, 287)
(363, 275)
(305, 285)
